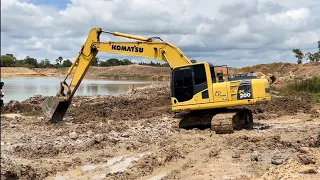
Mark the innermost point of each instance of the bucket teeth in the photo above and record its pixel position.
(54, 108)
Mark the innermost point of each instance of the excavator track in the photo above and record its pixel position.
(232, 119)
(222, 121)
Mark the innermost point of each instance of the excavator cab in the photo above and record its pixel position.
(186, 81)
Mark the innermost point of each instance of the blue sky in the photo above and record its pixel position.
(59, 4)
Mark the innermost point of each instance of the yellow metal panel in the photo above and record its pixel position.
(259, 88)
(219, 104)
(220, 92)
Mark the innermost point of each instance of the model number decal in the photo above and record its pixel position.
(245, 95)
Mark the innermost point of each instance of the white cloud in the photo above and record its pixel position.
(289, 16)
(234, 32)
(292, 42)
(239, 31)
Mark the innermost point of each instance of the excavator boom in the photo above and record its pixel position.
(56, 107)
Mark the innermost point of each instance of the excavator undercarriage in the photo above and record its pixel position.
(222, 121)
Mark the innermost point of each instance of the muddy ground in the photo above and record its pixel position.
(136, 136)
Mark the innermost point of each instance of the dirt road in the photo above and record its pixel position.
(136, 136)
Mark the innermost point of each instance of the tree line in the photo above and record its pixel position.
(312, 57)
(8, 60)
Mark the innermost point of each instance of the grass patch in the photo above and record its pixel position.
(316, 98)
(311, 85)
(33, 113)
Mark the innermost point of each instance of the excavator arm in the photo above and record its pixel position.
(56, 107)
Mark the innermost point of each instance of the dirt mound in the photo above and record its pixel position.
(285, 69)
(286, 105)
(19, 107)
(17, 72)
(140, 103)
(29, 105)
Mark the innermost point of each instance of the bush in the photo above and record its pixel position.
(311, 85)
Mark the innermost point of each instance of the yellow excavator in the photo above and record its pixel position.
(194, 86)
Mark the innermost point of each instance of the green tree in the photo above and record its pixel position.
(67, 63)
(42, 64)
(126, 62)
(314, 57)
(47, 63)
(298, 54)
(31, 62)
(57, 62)
(95, 62)
(7, 60)
(60, 58)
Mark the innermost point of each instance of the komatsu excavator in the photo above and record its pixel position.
(194, 86)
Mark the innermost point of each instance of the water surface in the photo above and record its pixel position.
(21, 88)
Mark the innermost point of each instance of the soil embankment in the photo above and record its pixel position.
(130, 72)
(285, 69)
(18, 72)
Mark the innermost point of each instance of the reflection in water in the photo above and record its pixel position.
(21, 88)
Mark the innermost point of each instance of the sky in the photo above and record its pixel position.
(236, 33)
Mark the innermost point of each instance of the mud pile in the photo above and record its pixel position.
(29, 105)
(143, 102)
(285, 105)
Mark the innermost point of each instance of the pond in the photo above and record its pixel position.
(21, 88)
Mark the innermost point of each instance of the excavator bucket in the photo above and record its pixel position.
(54, 108)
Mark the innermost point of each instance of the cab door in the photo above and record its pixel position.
(201, 83)
(219, 89)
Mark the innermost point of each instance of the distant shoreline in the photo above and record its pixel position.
(130, 72)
